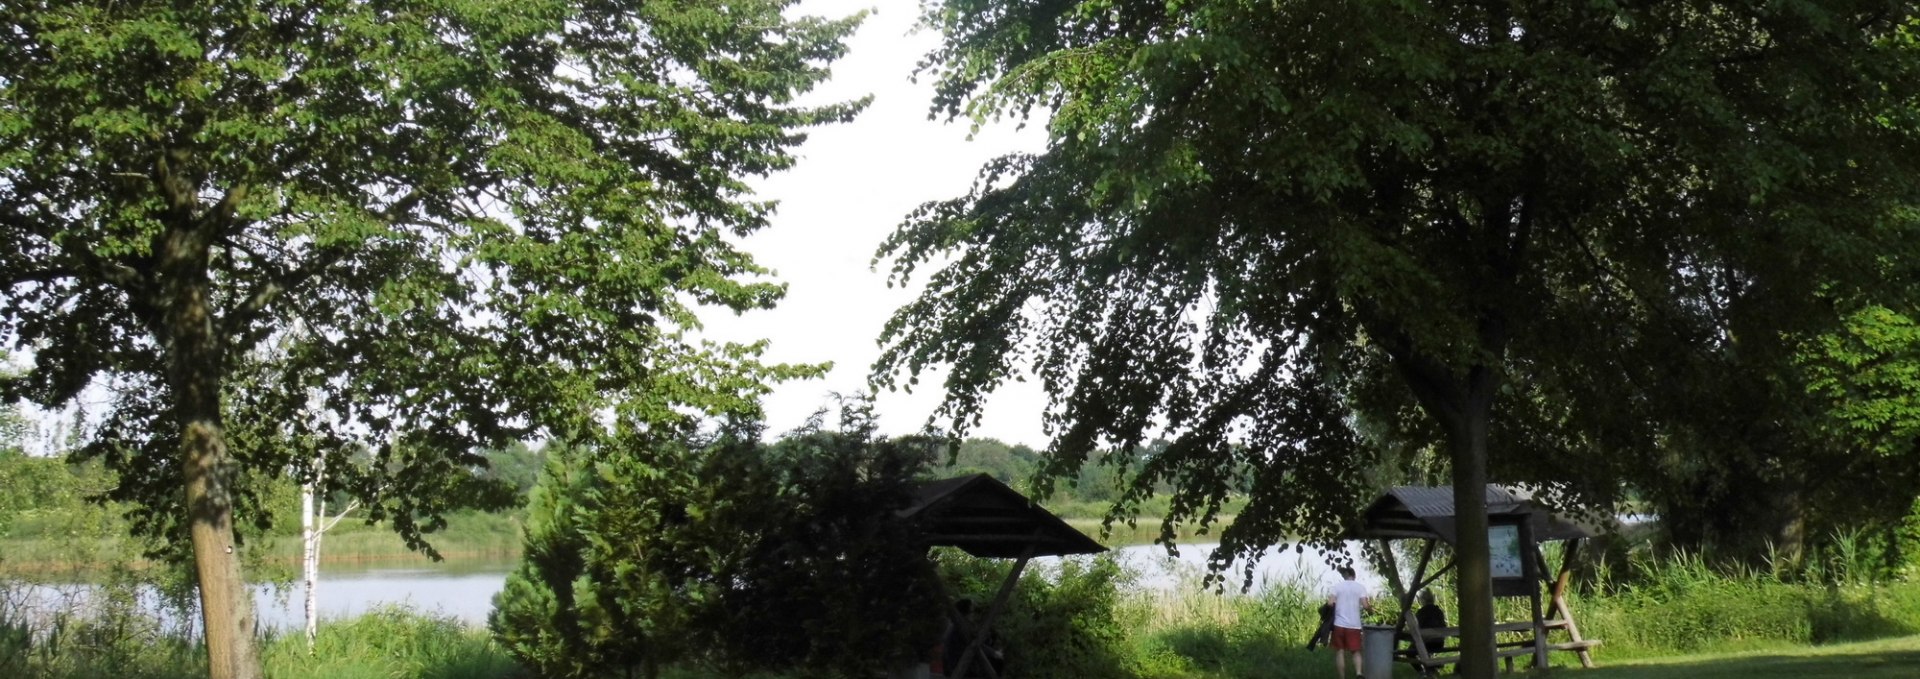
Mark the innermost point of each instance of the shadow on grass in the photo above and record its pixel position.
(1902, 663)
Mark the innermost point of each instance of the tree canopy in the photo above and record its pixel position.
(415, 227)
(1267, 229)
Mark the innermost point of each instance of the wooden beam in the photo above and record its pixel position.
(1410, 619)
(1539, 627)
(938, 538)
(1565, 612)
(1442, 570)
(1393, 573)
(977, 641)
(1014, 519)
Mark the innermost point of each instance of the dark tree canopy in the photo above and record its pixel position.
(420, 227)
(1267, 229)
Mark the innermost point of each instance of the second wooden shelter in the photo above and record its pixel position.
(983, 517)
(1516, 529)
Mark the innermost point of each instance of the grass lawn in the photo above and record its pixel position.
(1884, 659)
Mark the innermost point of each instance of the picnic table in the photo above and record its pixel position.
(1434, 649)
(1426, 515)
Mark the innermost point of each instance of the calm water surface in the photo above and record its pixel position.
(464, 589)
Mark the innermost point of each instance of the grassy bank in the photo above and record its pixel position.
(1182, 634)
(1883, 659)
(394, 644)
(1672, 618)
(386, 644)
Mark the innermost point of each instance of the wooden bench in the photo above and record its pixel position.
(1436, 640)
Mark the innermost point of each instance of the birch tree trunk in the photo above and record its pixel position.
(310, 558)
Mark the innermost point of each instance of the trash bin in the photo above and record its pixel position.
(1376, 651)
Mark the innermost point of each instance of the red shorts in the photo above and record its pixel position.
(1346, 639)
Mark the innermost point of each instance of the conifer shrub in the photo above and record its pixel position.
(730, 555)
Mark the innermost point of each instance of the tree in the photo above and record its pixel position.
(731, 554)
(466, 222)
(518, 465)
(1257, 225)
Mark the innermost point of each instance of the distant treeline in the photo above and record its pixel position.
(52, 511)
(1098, 483)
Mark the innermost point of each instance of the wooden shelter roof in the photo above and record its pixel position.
(1426, 512)
(983, 517)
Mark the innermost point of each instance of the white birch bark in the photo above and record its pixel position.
(310, 557)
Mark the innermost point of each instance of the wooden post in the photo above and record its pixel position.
(1435, 576)
(1393, 575)
(1539, 625)
(1560, 606)
(976, 640)
(1408, 618)
(1401, 595)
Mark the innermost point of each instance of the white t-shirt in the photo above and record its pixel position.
(1347, 595)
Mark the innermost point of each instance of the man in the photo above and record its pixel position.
(1348, 598)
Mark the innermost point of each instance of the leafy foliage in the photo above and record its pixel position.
(415, 228)
(1258, 225)
(1063, 620)
(1253, 221)
(488, 220)
(732, 555)
(1868, 377)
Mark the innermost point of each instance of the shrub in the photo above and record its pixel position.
(732, 555)
(1063, 618)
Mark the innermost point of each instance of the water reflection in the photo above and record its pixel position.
(461, 589)
(464, 589)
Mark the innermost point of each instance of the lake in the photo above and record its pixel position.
(464, 589)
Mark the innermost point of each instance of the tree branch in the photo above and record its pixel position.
(38, 276)
(269, 290)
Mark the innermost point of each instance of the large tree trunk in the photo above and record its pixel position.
(1463, 405)
(195, 366)
(1468, 439)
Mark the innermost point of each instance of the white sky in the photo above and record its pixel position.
(852, 186)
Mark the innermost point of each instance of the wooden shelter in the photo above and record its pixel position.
(983, 517)
(1516, 529)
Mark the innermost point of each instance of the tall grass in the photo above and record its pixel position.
(1684, 603)
(1192, 631)
(109, 633)
(389, 643)
(1087, 615)
(119, 640)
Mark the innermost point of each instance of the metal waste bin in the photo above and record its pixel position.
(1376, 651)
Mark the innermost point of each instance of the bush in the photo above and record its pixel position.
(1061, 621)
(734, 556)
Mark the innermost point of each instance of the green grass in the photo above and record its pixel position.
(1672, 620)
(1897, 658)
(389, 643)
